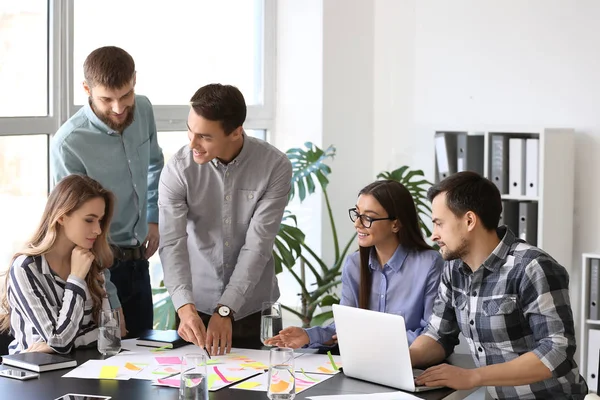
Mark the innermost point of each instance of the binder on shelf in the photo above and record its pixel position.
(469, 152)
(510, 214)
(528, 216)
(532, 147)
(516, 166)
(499, 161)
(594, 289)
(593, 349)
(445, 152)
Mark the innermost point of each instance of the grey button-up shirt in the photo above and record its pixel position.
(217, 227)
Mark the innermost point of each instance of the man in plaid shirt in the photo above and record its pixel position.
(508, 298)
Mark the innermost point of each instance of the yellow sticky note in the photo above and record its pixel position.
(256, 365)
(108, 372)
(247, 385)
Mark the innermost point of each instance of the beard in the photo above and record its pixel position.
(459, 252)
(106, 117)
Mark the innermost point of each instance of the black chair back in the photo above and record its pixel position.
(5, 339)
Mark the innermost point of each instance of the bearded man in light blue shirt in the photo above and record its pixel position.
(113, 139)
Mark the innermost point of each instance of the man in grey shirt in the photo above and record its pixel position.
(221, 200)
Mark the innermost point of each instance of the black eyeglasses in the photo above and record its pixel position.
(365, 220)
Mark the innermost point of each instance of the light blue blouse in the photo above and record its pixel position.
(406, 285)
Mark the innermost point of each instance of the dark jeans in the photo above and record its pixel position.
(132, 280)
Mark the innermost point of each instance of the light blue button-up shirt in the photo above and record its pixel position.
(406, 285)
(128, 164)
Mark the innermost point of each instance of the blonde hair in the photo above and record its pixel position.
(68, 196)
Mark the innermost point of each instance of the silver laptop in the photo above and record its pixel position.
(374, 347)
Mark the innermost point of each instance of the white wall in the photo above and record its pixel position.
(299, 107)
(495, 62)
(347, 108)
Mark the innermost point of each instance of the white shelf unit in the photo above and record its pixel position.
(556, 175)
(588, 351)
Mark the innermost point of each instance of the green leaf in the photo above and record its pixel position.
(329, 300)
(308, 163)
(320, 319)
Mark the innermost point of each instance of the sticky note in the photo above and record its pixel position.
(279, 386)
(325, 370)
(108, 372)
(248, 385)
(212, 378)
(170, 382)
(132, 367)
(168, 360)
(335, 367)
(255, 365)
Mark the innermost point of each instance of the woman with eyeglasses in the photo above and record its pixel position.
(394, 271)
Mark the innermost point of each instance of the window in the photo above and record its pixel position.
(177, 49)
(23, 186)
(24, 58)
(208, 42)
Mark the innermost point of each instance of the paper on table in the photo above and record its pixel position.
(100, 369)
(371, 396)
(303, 382)
(318, 363)
(218, 377)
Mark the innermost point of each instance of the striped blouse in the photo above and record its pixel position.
(45, 308)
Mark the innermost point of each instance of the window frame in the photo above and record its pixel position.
(174, 117)
(60, 89)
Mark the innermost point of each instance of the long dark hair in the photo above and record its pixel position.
(397, 201)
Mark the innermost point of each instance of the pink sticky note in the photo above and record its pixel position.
(169, 382)
(168, 360)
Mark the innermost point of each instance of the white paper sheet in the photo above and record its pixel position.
(303, 382)
(317, 363)
(95, 369)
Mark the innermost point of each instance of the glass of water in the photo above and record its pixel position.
(270, 320)
(194, 377)
(281, 378)
(109, 333)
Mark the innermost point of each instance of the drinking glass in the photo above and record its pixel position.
(194, 377)
(270, 320)
(109, 333)
(281, 378)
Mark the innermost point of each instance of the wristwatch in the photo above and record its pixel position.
(224, 311)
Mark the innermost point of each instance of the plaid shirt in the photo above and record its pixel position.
(516, 302)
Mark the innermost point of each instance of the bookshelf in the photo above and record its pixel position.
(588, 342)
(553, 227)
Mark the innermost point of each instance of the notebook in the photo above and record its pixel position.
(154, 338)
(386, 363)
(38, 362)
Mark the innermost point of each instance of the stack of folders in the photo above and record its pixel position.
(457, 152)
(514, 164)
(522, 218)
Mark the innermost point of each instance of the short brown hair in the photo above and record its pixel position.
(223, 103)
(469, 191)
(110, 66)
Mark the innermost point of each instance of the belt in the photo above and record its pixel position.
(128, 253)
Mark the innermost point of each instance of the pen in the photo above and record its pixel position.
(207, 353)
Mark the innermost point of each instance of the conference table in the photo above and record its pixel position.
(50, 385)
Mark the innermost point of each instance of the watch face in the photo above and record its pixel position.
(224, 311)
